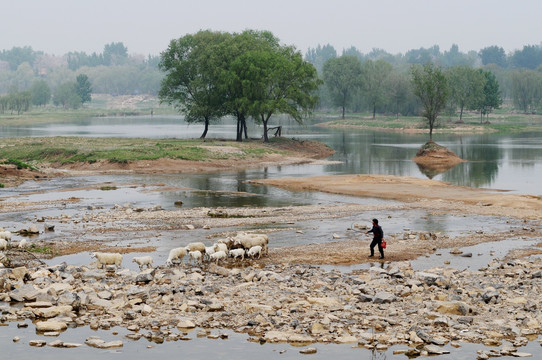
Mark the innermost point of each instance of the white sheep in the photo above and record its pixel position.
(209, 250)
(228, 242)
(3, 244)
(249, 240)
(219, 255)
(22, 244)
(196, 256)
(196, 246)
(108, 258)
(221, 247)
(143, 260)
(176, 253)
(6, 235)
(235, 253)
(255, 250)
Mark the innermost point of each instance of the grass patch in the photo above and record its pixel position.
(41, 249)
(2, 186)
(108, 187)
(65, 150)
(20, 165)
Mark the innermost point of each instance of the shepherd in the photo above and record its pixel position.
(378, 236)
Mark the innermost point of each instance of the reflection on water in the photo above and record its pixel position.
(510, 162)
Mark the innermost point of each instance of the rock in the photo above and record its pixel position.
(218, 270)
(96, 342)
(144, 278)
(308, 351)
(185, 324)
(435, 350)
(455, 308)
(25, 292)
(348, 339)
(19, 273)
(37, 343)
(50, 325)
(383, 297)
(323, 301)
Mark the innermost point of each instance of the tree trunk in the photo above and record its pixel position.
(244, 124)
(265, 137)
(205, 129)
(374, 110)
(461, 114)
(239, 135)
(343, 112)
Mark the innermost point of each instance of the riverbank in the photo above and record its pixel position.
(34, 158)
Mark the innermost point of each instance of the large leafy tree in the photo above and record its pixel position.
(192, 66)
(235, 78)
(279, 81)
(466, 87)
(83, 88)
(374, 75)
(342, 77)
(431, 87)
(66, 96)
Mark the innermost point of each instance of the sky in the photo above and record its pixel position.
(396, 26)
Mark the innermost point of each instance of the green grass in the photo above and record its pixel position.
(65, 150)
(40, 249)
(20, 165)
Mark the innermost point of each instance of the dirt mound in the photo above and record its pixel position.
(11, 175)
(434, 155)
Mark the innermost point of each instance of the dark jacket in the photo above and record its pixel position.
(377, 232)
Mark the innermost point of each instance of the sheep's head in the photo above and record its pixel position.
(93, 255)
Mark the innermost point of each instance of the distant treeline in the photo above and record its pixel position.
(114, 71)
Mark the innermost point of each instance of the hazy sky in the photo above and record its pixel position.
(146, 27)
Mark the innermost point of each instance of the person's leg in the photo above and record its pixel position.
(372, 247)
(380, 249)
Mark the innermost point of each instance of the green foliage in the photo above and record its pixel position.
(492, 96)
(431, 87)
(466, 87)
(66, 96)
(526, 89)
(18, 55)
(2, 186)
(342, 77)
(15, 101)
(375, 75)
(83, 88)
(41, 93)
(20, 165)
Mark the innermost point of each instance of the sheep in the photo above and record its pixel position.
(195, 255)
(228, 242)
(255, 250)
(3, 244)
(209, 250)
(143, 260)
(6, 235)
(249, 240)
(22, 244)
(108, 259)
(221, 247)
(235, 253)
(218, 255)
(196, 246)
(176, 253)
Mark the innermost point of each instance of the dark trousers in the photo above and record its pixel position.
(379, 243)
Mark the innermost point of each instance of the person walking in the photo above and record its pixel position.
(378, 236)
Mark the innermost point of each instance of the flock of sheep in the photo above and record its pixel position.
(238, 247)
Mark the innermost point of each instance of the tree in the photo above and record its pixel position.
(66, 96)
(279, 81)
(374, 75)
(41, 93)
(492, 96)
(398, 89)
(342, 77)
(191, 82)
(493, 55)
(466, 87)
(18, 55)
(115, 54)
(431, 87)
(526, 89)
(83, 88)
(320, 55)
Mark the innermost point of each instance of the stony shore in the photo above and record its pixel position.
(376, 308)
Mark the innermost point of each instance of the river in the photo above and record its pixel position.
(509, 162)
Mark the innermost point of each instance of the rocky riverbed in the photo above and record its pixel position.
(375, 308)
